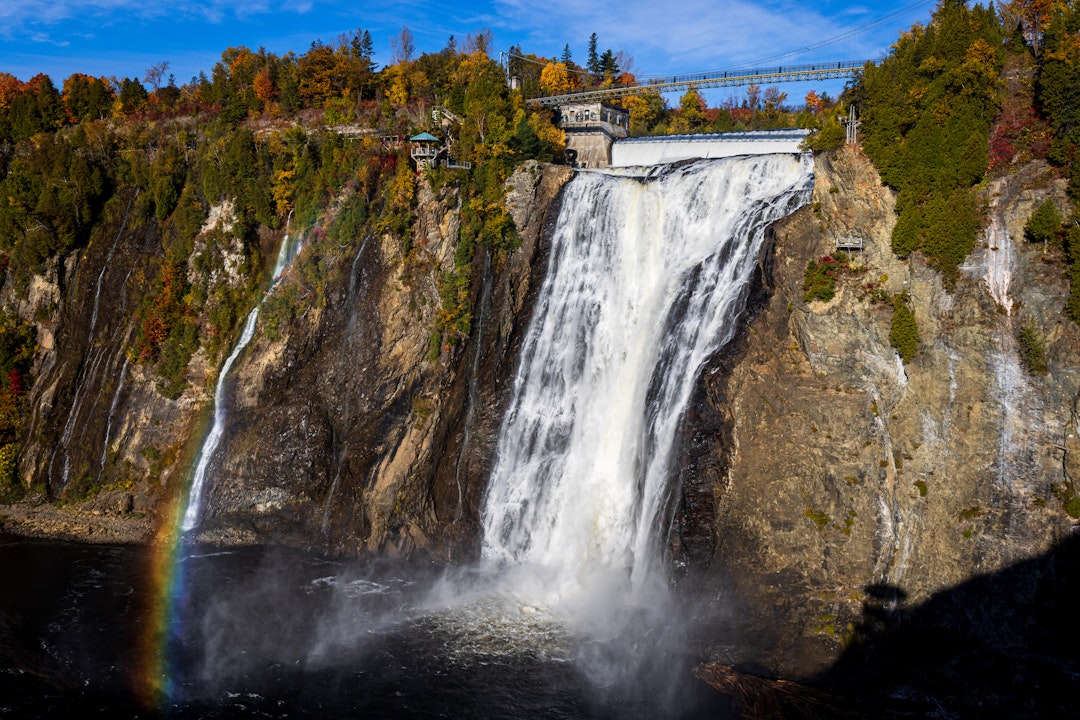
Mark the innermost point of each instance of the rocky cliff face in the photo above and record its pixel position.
(346, 429)
(823, 475)
(351, 431)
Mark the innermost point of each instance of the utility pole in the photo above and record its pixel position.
(852, 126)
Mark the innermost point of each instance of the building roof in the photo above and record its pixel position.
(424, 137)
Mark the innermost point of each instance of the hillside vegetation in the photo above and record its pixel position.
(210, 171)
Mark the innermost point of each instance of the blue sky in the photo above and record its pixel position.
(125, 37)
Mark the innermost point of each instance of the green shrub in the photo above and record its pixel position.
(1032, 353)
(819, 282)
(1072, 507)
(904, 333)
(817, 517)
(1044, 224)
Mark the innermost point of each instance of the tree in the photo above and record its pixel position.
(814, 102)
(364, 49)
(608, 66)
(566, 58)
(774, 101)
(155, 74)
(317, 70)
(692, 108)
(402, 47)
(593, 63)
(646, 109)
(87, 98)
(753, 97)
(1032, 16)
(926, 113)
(555, 80)
(904, 332)
(1044, 224)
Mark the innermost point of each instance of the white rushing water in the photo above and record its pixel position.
(289, 250)
(648, 274)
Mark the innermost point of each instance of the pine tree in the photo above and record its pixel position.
(1044, 224)
(566, 59)
(608, 65)
(594, 59)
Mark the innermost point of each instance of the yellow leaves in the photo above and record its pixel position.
(1067, 51)
(978, 72)
(547, 132)
(405, 79)
(9, 454)
(982, 53)
(555, 79)
(264, 86)
(472, 66)
(404, 188)
(932, 66)
(283, 190)
(643, 112)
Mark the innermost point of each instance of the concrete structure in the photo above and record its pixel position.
(591, 128)
(672, 148)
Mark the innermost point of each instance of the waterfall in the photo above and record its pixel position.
(648, 273)
(289, 249)
(80, 379)
(112, 413)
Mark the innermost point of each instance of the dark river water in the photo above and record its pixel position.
(269, 633)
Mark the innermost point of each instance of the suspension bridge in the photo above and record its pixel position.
(717, 79)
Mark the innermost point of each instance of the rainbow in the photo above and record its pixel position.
(165, 575)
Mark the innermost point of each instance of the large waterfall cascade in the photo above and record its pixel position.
(290, 247)
(648, 274)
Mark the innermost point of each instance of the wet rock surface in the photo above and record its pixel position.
(836, 469)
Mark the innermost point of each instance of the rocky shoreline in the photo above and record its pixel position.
(111, 518)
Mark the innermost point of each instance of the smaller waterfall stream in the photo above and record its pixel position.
(83, 374)
(289, 250)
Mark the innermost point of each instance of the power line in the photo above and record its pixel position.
(843, 36)
(791, 53)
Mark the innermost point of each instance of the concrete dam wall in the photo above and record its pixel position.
(672, 148)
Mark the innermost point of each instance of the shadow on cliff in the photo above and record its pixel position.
(1005, 644)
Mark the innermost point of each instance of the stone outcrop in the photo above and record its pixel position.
(821, 469)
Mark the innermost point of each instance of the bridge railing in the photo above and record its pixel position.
(725, 78)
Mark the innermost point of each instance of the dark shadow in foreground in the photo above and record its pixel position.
(1005, 645)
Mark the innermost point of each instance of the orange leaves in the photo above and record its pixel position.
(168, 306)
(814, 102)
(265, 90)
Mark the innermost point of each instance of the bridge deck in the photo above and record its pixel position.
(785, 73)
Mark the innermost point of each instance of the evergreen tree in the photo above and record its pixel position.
(926, 116)
(593, 63)
(566, 59)
(608, 65)
(1044, 224)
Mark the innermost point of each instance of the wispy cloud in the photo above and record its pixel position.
(23, 16)
(44, 38)
(699, 35)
